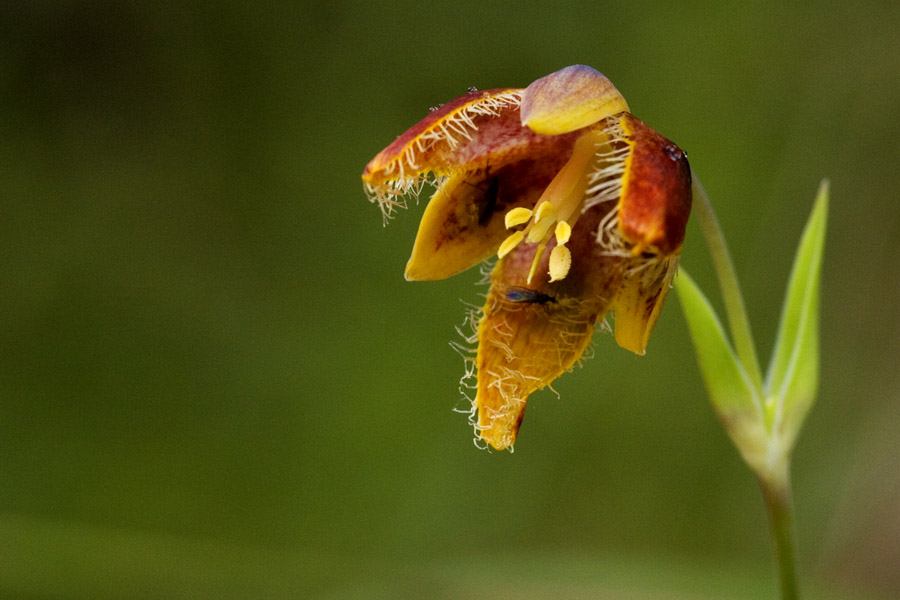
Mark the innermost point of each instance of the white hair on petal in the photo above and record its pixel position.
(467, 348)
(484, 271)
(403, 176)
(605, 186)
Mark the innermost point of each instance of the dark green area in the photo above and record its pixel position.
(214, 381)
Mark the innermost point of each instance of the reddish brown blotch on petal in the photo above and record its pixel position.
(656, 190)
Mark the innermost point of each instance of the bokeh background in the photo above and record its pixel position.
(215, 383)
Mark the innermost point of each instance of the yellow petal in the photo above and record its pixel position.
(464, 221)
(450, 239)
(525, 341)
(640, 301)
(522, 348)
(569, 99)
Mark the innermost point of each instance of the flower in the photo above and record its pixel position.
(583, 204)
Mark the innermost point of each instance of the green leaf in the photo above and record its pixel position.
(793, 376)
(737, 402)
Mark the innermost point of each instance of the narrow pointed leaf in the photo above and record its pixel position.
(793, 375)
(736, 401)
(726, 380)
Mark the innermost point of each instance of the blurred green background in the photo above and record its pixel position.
(215, 382)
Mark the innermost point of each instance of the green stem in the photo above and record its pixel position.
(774, 478)
(728, 284)
(777, 495)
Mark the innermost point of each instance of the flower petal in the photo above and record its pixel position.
(656, 190)
(570, 99)
(652, 215)
(526, 340)
(445, 127)
(640, 301)
(464, 222)
(471, 133)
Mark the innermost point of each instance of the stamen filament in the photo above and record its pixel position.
(537, 259)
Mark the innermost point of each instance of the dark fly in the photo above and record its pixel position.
(527, 296)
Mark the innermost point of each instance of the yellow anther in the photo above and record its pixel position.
(509, 243)
(560, 262)
(544, 210)
(517, 216)
(558, 207)
(544, 219)
(563, 232)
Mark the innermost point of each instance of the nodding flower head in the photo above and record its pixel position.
(583, 205)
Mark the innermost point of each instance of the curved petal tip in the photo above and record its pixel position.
(569, 99)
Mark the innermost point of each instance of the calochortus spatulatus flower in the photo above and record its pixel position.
(584, 205)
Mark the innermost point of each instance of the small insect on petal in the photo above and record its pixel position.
(528, 296)
(569, 99)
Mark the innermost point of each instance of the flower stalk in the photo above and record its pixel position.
(776, 491)
(762, 416)
(729, 286)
